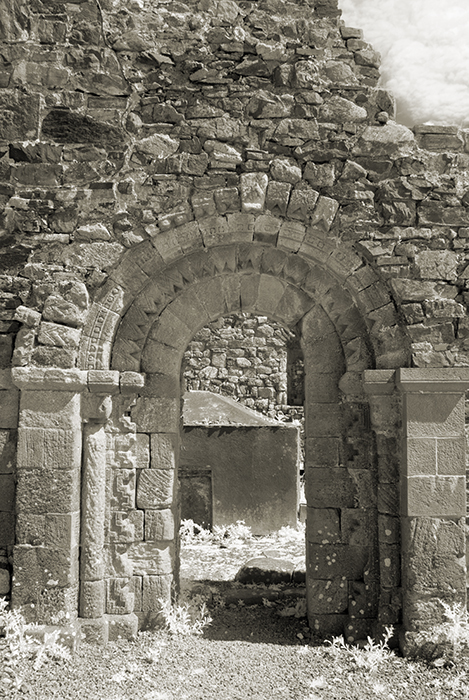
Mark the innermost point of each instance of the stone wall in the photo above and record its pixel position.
(164, 164)
(245, 357)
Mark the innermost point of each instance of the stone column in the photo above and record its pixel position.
(385, 418)
(97, 406)
(45, 586)
(433, 496)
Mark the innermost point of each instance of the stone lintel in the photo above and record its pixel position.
(444, 380)
(77, 380)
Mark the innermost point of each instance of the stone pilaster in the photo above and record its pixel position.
(45, 557)
(432, 495)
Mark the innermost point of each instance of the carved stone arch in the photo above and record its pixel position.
(144, 284)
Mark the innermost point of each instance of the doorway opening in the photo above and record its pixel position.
(241, 466)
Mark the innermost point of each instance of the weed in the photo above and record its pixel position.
(368, 657)
(184, 619)
(444, 643)
(19, 644)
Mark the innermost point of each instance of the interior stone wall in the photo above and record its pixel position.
(163, 164)
(245, 357)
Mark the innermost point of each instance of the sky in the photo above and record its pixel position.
(424, 46)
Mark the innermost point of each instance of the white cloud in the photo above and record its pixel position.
(425, 54)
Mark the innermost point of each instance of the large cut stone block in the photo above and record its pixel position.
(419, 456)
(323, 420)
(322, 452)
(153, 415)
(9, 408)
(50, 409)
(450, 456)
(357, 525)
(151, 559)
(122, 489)
(122, 627)
(43, 567)
(126, 526)
(434, 554)
(434, 415)
(155, 590)
(155, 488)
(164, 450)
(117, 561)
(323, 525)
(44, 491)
(330, 561)
(120, 596)
(330, 487)
(327, 597)
(159, 525)
(41, 448)
(438, 496)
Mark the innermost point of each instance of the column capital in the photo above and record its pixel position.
(379, 381)
(438, 380)
(76, 380)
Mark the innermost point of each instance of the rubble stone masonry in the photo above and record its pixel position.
(164, 164)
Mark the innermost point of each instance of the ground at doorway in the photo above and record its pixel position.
(246, 653)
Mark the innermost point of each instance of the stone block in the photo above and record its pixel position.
(7, 493)
(95, 631)
(266, 227)
(156, 589)
(7, 529)
(164, 450)
(323, 420)
(278, 194)
(7, 451)
(327, 625)
(389, 453)
(151, 559)
(43, 491)
(389, 529)
(388, 499)
(419, 456)
(58, 335)
(153, 415)
(437, 496)
(92, 599)
(327, 597)
(330, 487)
(41, 448)
(322, 452)
(155, 488)
(62, 531)
(253, 190)
(323, 525)
(44, 567)
(331, 561)
(170, 330)
(117, 561)
(122, 489)
(390, 565)
(450, 456)
(434, 415)
(159, 525)
(50, 410)
(434, 555)
(122, 627)
(158, 358)
(291, 235)
(357, 524)
(42, 603)
(302, 203)
(9, 409)
(120, 597)
(126, 526)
